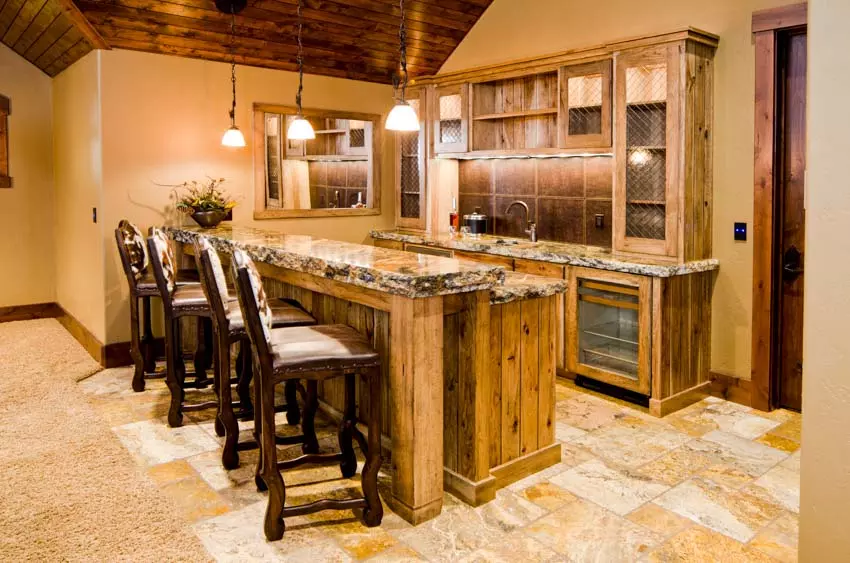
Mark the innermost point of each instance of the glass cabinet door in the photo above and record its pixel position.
(451, 119)
(646, 153)
(610, 316)
(585, 106)
(411, 202)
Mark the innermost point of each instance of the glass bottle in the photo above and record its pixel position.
(454, 218)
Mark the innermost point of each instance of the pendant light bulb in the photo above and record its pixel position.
(233, 137)
(300, 130)
(402, 118)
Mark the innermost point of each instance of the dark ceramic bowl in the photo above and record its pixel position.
(209, 219)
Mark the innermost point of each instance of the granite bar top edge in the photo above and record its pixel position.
(564, 255)
(393, 283)
(520, 286)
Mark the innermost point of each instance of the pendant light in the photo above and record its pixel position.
(402, 117)
(300, 128)
(233, 137)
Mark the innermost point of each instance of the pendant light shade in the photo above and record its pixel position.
(300, 129)
(233, 137)
(402, 118)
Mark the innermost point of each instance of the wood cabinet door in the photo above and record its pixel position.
(450, 115)
(584, 112)
(411, 169)
(609, 327)
(647, 136)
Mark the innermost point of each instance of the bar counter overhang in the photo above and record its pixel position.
(468, 355)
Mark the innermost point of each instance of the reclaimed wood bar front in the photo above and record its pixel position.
(468, 356)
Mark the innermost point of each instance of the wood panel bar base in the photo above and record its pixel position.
(663, 407)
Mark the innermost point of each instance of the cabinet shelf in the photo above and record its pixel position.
(645, 202)
(330, 131)
(626, 333)
(648, 104)
(511, 114)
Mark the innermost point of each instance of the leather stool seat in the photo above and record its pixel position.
(315, 352)
(284, 313)
(146, 286)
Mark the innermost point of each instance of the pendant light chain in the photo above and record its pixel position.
(300, 61)
(233, 64)
(402, 50)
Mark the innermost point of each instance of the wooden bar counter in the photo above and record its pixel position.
(468, 356)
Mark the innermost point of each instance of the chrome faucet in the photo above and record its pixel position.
(531, 231)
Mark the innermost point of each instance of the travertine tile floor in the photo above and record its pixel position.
(714, 482)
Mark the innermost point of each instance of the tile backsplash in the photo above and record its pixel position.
(563, 195)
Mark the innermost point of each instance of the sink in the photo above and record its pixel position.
(506, 242)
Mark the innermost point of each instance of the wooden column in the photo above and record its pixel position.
(468, 475)
(416, 399)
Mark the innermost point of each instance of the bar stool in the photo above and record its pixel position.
(179, 301)
(312, 353)
(229, 329)
(140, 279)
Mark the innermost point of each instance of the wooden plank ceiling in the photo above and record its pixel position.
(355, 39)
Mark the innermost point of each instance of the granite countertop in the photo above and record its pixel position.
(381, 269)
(525, 286)
(554, 252)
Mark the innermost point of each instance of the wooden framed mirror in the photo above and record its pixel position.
(335, 174)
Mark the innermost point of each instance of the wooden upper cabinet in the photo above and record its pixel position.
(450, 110)
(584, 116)
(662, 147)
(411, 167)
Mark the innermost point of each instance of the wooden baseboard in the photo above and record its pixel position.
(82, 335)
(526, 465)
(30, 312)
(474, 493)
(679, 401)
(730, 388)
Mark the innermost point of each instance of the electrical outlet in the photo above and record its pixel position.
(94, 214)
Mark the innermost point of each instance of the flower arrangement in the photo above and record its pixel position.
(203, 196)
(206, 202)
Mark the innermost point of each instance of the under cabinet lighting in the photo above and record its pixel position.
(455, 156)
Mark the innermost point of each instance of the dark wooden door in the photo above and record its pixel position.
(792, 218)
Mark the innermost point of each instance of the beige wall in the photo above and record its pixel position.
(825, 485)
(163, 118)
(510, 30)
(77, 152)
(26, 210)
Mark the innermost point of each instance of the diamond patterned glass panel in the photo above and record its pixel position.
(450, 118)
(356, 133)
(410, 193)
(646, 153)
(585, 99)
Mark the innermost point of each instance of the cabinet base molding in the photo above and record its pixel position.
(522, 467)
(732, 389)
(663, 407)
(474, 493)
(416, 515)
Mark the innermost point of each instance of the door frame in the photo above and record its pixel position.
(767, 25)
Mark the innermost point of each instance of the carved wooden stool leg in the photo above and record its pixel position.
(221, 379)
(229, 453)
(308, 423)
(375, 512)
(293, 413)
(243, 386)
(148, 346)
(174, 372)
(348, 466)
(240, 357)
(136, 347)
(200, 358)
(274, 526)
(258, 422)
(209, 349)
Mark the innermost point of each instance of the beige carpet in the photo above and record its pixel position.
(69, 489)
